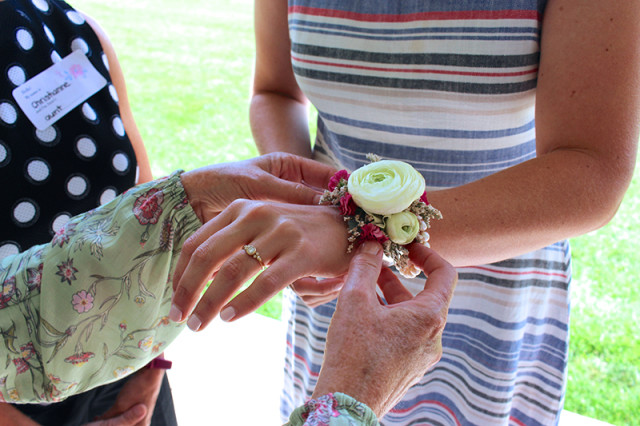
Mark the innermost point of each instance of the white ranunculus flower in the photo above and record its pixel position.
(402, 227)
(385, 187)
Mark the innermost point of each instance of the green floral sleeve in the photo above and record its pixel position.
(91, 306)
(333, 409)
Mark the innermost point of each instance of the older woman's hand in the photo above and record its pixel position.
(376, 352)
(278, 177)
(295, 241)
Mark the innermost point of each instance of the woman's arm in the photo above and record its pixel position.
(117, 77)
(587, 115)
(278, 111)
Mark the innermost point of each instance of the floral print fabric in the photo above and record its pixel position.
(334, 409)
(91, 306)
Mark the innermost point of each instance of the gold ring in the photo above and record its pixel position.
(253, 252)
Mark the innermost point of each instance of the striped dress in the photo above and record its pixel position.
(448, 86)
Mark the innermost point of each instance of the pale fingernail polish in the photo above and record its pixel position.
(227, 313)
(194, 323)
(370, 247)
(175, 314)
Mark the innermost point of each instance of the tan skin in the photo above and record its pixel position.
(587, 115)
(145, 385)
(377, 355)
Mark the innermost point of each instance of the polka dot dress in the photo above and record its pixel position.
(83, 160)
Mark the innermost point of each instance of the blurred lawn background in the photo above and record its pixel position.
(188, 69)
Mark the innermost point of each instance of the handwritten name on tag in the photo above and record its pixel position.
(56, 91)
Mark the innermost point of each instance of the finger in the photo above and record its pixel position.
(441, 275)
(132, 416)
(273, 188)
(282, 272)
(311, 286)
(300, 169)
(199, 237)
(315, 301)
(237, 270)
(364, 270)
(392, 288)
(204, 260)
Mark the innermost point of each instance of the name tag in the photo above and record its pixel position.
(50, 95)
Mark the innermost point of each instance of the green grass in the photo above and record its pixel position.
(188, 69)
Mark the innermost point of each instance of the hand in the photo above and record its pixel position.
(376, 352)
(295, 241)
(141, 389)
(132, 416)
(278, 177)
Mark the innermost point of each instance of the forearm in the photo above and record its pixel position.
(558, 195)
(280, 123)
(92, 306)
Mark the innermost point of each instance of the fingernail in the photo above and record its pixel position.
(175, 314)
(194, 323)
(370, 247)
(227, 313)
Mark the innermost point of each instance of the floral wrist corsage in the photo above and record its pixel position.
(384, 201)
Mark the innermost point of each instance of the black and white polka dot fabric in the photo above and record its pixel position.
(83, 160)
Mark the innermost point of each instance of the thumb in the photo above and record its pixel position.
(132, 416)
(363, 273)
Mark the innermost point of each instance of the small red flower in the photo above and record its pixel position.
(347, 205)
(66, 271)
(8, 290)
(21, 365)
(336, 179)
(371, 232)
(423, 198)
(79, 358)
(147, 208)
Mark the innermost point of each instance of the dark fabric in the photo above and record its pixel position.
(85, 407)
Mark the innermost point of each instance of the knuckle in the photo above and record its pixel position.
(232, 268)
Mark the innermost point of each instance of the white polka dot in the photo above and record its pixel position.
(38, 170)
(113, 92)
(80, 44)
(60, 221)
(77, 186)
(49, 34)
(75, 17)
(55, 57)
(86, 147)
(107, 195)
(17, 75)
(8, 113)
(41, 4)
(9, 249)
(105, 61)
(25, 212)
(47, 135)
(118, 127)
(4, 153)
(120, 162)
(25, 39)
(89, 112)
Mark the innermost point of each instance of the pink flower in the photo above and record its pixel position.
(336, 179)
(147, 207)
(21, 365)
(347, 205)
(79, 358)
(66, 271)
(423, 198)
(371, 232)
(82, 301)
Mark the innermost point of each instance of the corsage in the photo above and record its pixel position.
(384, 201)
